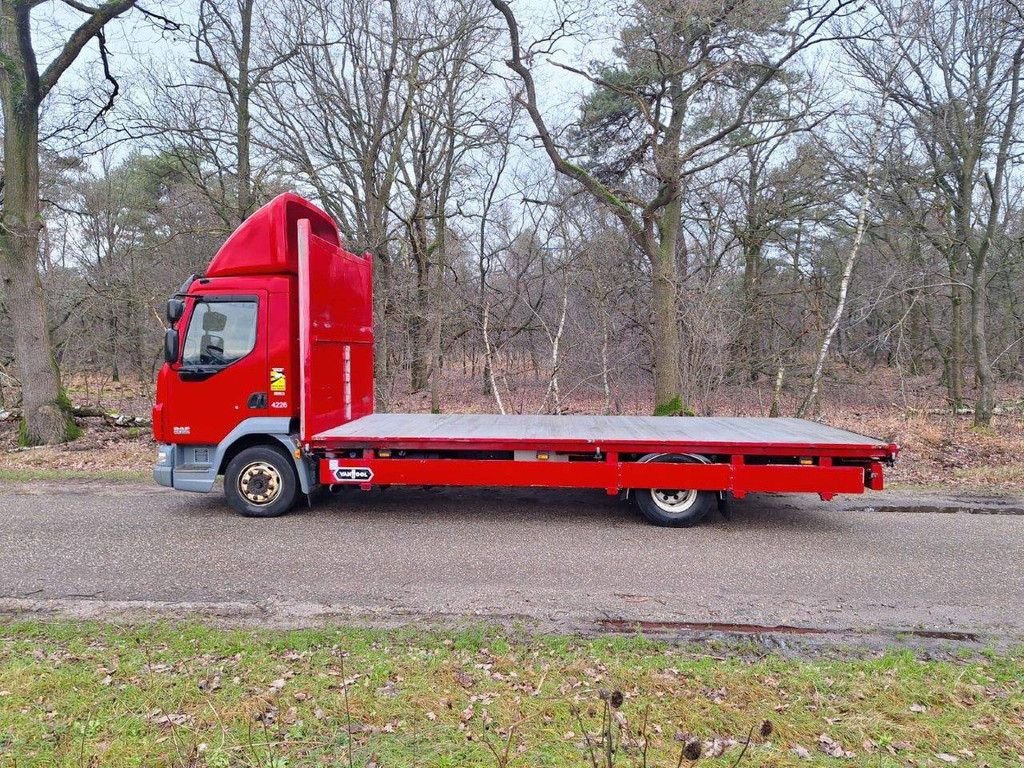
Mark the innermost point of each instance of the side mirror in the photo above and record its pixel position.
(171, 345)
(175, 308)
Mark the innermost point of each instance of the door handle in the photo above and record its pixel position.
(257, 400)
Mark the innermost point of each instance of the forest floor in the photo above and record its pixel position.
(940, 451)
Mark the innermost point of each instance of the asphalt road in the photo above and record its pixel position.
(566, 560)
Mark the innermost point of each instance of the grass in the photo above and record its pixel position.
(24, 474)
(79, 694)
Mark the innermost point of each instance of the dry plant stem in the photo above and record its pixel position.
(746, 744)
(348, 710)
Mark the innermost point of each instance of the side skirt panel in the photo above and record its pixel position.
(611, 475)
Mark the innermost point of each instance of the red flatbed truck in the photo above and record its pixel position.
(268, 381)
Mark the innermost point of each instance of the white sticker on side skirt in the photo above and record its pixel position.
(352, 474)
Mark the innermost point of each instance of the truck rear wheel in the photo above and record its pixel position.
(261, 482)
(674, 507)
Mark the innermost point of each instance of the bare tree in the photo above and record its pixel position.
(46, 416)
(339, 116)
(450, 123)
(675, 54)
(203, 117)
(959, 85)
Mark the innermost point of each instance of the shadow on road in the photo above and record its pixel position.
(529, 505)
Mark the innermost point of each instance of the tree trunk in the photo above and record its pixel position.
(243, 120)
(554, 391)
(667, 343)
(45, 415)
(983, 365)
(435, 301)
(418, 337)
(488, 364)
(957, 353)
(750, 335)
(244, 163)
(667, 386)
(382, 312)
(419, 321)
(605, 333)
(775, 410)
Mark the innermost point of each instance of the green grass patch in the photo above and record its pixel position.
(80, 694)
(34, 474)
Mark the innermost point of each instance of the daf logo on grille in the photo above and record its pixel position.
(353, 474)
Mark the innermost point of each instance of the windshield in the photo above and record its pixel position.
(220, 332)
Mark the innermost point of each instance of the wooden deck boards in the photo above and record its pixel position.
(590, 429)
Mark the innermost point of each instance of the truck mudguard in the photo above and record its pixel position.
(195, 467)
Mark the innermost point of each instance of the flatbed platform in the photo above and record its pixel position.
(589, 433)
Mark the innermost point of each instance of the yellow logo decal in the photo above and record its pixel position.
(278, 384)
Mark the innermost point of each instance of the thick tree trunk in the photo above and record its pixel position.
(667, 344)
(45, 415)
(419, 338)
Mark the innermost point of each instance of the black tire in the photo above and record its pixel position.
(656, 504)
(261, 482)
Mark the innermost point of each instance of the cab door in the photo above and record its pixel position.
(220, 378)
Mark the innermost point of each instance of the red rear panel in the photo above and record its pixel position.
(335, 333)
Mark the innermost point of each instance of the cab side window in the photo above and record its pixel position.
(219, 333)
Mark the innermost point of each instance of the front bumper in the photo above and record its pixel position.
(163, 469)
(187, 467)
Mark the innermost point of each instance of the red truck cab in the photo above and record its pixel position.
(268, 381)
(231, 378)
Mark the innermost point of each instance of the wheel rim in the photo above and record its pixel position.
(260, 483)
(673, 501)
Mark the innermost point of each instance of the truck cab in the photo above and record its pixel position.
(231, 382)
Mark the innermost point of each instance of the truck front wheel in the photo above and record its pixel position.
(672, 506)
(261, 482)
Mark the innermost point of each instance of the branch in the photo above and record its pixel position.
(603, 193)
(166, 23)
(102, 40)
(89, 29)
